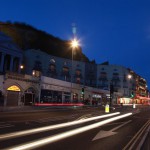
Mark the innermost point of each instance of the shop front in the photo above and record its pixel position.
(96, 98)
(13, 95)
(50, 96)
(19, 89)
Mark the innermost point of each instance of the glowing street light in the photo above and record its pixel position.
(129, 76)
(21, 67)
(74, 43)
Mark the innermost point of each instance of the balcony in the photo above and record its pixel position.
(115, 79)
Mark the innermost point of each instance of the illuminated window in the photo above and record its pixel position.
(52, 67)
(78, 72)
(65, 69)
(36, 73)
(78, 80)
(13, 88)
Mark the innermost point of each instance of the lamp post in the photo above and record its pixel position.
(129, 78)
(130, 90)
(74, 45)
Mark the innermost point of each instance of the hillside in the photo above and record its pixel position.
(28, 37)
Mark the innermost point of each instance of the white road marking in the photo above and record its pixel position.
(102, 134)
(6, 126)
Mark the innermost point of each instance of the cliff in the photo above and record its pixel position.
(28, 37)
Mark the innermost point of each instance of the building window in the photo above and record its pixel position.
(78, 76)
(36, 73)
(37, 69)
(13, 88)
(65, 73)
(65, 63)
(52, 71)
(37, 66)
(103, 81)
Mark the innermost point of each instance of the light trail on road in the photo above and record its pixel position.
(52, 127)
(63, 135)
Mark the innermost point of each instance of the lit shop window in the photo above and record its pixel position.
(13, 88)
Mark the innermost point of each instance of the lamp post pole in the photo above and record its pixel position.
(71, 73)
(74, 44)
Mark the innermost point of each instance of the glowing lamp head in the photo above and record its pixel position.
(74, 43)
(21, 67)
(129, 76)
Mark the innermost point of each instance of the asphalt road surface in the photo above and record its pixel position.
(85, 132)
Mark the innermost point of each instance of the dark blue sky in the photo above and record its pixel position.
(113, 30)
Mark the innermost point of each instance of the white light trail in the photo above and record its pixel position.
(57, 137)
(52, 127)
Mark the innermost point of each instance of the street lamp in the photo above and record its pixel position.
(21, 68)
(74, 45)
(129, 76)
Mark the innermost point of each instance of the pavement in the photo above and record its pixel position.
(25, 109)
(44, 108)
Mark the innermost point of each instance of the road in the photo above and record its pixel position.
(114, 135)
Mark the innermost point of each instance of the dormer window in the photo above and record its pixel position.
(65, 63)
(52, 61)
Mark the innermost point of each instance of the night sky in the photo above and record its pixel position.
(117, 31)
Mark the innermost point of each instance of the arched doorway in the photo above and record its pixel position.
(13, 95)
(29, 96)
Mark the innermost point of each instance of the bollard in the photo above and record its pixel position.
(133, 105)
(107, 108)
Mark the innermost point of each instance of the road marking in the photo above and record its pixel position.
(6, 126)
(102, 134)
(57, 137)
(84, 117)
(136, 137)
(52, 127)
(50, 119)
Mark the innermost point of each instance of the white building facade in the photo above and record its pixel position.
(119, 77)
(49, 79)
